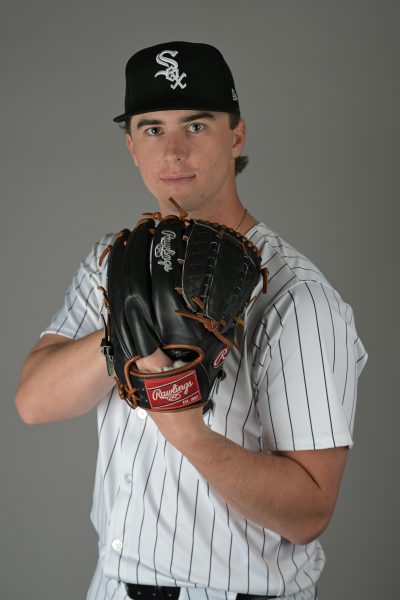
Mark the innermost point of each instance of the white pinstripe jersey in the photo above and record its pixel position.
(291, 387)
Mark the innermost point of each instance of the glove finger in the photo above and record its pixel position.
(237, 268)
(168, 247)
(122, 341)
(220, 270)
(138, 304)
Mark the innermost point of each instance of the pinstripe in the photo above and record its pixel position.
(307, 575)
(111, 455)
(323, 365)
(306, 269)
(248, 556)
(233, 391)
(278, 293)
(176, 518)
(129, 501)
(286, 395)
(144, 511)
(308, 558)
(270, 414)
(347, 366)
(279, 569)
(99, 584)
(211, 545)
(337, 301)
(353, 403)
(158, 518)
(60, 328)
(115, 591)
(193, 530)
(267, 402)
(261, 364)
(333, 328)
(279, 316)
(72, 305)
(84, 314)
(125, 427)
(296, 567)
(246, 419)
(102, 509)
(266, 562)
(228, 587)
(302, 366)
(106, 411)
(295, 257)
(106, 590)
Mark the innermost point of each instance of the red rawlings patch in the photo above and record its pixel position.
(176, 391)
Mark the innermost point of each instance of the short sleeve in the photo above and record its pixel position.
(81, 311)
(306, 396)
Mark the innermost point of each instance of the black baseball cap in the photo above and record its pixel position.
(178, 75)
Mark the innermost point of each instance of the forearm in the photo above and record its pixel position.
(62, 380)
(271, 490)
(294, 496)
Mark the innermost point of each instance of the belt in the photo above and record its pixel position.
(154, 592)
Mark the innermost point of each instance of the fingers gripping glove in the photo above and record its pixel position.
(181, 285)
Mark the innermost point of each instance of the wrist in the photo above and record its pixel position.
(184, 429)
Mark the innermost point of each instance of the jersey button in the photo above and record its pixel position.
(117, 545)
(128, 478)
(141, 413)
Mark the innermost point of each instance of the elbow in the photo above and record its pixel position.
(310, 531)
(24, 406)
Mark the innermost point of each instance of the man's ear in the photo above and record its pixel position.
(129, 143)
(239, 138)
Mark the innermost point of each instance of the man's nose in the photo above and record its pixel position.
(176, 147)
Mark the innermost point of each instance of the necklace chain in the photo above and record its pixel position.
(242, 219)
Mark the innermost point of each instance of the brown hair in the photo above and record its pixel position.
(240, 161)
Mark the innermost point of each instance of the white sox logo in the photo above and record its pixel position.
(164, 251)
(171, 73)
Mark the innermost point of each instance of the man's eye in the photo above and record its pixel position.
(153, 131)
(196, 127)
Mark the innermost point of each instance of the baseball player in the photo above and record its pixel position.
(228, 499)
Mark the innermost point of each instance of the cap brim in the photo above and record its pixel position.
(185, 105)
(121, 118)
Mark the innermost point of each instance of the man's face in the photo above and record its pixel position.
(189, 155)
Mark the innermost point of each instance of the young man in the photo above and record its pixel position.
(230, 503)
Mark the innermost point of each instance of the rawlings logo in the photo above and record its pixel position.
(221, 356)
(171, 73)
(174, 391)
(164, 251)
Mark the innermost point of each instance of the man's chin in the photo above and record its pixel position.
(186, 203)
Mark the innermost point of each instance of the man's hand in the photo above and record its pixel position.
(154, 362)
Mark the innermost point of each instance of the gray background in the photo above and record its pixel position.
(318, 83)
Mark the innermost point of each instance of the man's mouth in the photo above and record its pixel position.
(176, 179)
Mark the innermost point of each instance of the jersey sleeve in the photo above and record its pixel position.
(306, 394)
(81, 311)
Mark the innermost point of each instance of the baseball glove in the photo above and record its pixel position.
(181, 285)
